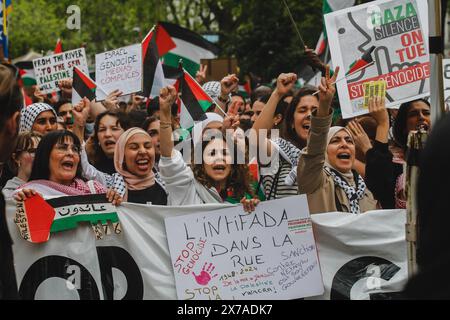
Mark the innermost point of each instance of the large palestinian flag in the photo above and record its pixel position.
(154, 46)
(194, 101)
(190, 47)
(83, 86)
(37, 218)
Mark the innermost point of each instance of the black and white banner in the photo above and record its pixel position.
(361, 257)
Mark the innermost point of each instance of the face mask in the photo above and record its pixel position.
(89, 128)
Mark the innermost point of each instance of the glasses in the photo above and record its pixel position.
(64, 148)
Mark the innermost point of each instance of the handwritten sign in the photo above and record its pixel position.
(51, 69)
(399, 31)
(446, 74)
(228, 254)
(119, 69)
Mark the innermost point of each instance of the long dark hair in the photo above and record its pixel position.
(289, 132)
(239, 179)
(399, 128)
(122, 119)
(41, 164)
(11, 99)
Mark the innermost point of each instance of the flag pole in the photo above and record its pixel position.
(295, 25)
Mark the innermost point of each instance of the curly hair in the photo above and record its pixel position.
(238, 182)
(96, 154)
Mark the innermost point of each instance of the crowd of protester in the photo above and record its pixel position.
(130, 151)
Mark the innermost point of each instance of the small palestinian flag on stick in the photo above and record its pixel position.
(58, 48)
(362, 63)
(194, 101)
(83, 86)
(156, 44)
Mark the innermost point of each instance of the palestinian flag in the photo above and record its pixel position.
(194, 101)
(190, 47)
(58, 48)
(27, 73)
(37, 218)
(245, 89)
(83, 86)
(154, 46)
(365, 61)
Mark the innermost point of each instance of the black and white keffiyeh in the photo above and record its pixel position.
(353, 194)
(291, 154)
(30, 113)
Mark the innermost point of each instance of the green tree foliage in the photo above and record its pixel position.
(258, 33)
(105, 24)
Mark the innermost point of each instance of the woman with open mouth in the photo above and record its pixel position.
(325, 172)
(108, 128)
(384, 172)
(57, 171)
(134, 160)
(215, 180)
(278, 176)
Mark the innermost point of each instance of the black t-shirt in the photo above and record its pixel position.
(106, 166)
(155, 194)
(8, 284)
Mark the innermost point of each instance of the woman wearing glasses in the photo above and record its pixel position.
(57, 171)
(21, 161)
(38, 117)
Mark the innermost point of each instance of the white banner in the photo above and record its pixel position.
(359, 255)
(51, 69)
(269, 254)
(399, 31)
(119, 69)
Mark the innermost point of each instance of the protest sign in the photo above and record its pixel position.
(398, 30)
(51, 69)
(136, 264)
(119, 69)
(269, 254)
(446, 74)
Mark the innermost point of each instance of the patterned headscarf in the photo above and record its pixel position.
(30, 113)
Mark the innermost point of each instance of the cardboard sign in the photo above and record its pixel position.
(373, 89)
(119, 69)
(52, 69)
(399, 31)
(268, 254)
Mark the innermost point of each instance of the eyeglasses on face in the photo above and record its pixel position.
(64, 148)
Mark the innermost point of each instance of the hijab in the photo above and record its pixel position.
(133, 182)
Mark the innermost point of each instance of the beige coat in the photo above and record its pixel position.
(318, 184)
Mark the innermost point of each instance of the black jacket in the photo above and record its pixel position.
(382, 174)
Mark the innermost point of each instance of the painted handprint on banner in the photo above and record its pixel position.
(206, 275)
